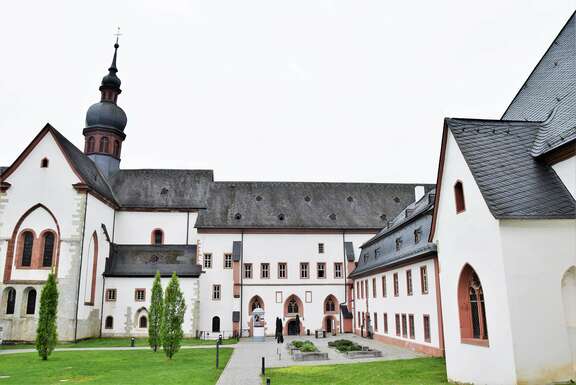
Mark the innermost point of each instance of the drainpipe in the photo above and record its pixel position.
(80, 269)
(241, 280)
(102, 304)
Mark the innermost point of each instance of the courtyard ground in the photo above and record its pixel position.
(113, 367)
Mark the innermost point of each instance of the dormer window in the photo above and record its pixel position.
(398, 244)
(417, 235)
(459, 197)
(377, 252)
(44, 163)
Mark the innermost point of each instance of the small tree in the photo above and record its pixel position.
(155, 315)
(46, 333)
(173, 317)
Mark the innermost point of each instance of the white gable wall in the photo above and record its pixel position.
(472, 237)
(537, 254)
(566, 170)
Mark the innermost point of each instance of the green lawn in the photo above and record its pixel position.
(418, 371)
(135, 367)
(116, 342)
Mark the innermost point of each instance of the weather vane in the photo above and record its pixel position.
(117, 34)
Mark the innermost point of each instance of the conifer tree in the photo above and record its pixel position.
(155, 315)
(46, 332)
(173, 318)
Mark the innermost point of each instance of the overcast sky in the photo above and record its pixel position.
(311, 90)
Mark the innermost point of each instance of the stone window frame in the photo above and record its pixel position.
(338, 270)
(384, 288)
(396, 280)
(304, 267)
(109, 325)
(323, 269)
(207, 261)
(285, 265)
(409, 283)
(459, 199)
(216, 292)
(111, 295)
(153, 235)
(265, 270)
(247, 272)
(227, 263)
(426, 327)
(469, 283)
(140, 294)
(424, 279)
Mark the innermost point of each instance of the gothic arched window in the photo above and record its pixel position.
(48, 252)
(116, 151)
(10, 300)
(292, 305)
(143, 322)
(104, 144)
(27, 240)
(473, 325)
(329, 305)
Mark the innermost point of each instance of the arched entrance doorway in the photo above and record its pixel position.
(569, 300)
(293, 327)
(215, 324)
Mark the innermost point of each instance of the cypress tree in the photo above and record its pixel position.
(46, 333)
(173, 318)
(155, 314)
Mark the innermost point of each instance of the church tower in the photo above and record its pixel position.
(105, 123)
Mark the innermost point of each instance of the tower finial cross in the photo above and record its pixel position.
(117, 34)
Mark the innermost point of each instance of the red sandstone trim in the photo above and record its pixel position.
(94, 267)
(414, 346)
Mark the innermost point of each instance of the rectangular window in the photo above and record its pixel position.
(375, 321)
(409, 282)
(110, 295)
(264, 270)
(320, 248)
(397, 318)
(373, 287)
(304, 269)
(361, 289)
(411, 324)
(227, 261)
(207, 261)
(396, 286)
(427, 328)
(385, 319)
(404, 326)
(384, 293)
(248, 270)
(424, 279)
(308, 295)
(321, 270)
(359, 320)
(338, 270)
(278, 297)
(140, 295)
(216, 292)
(282, 270)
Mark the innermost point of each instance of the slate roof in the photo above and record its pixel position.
(161, 189)
(303, 205)
(415, 217)
(513, 183)
(550, 91)
(84, 166)
(2, 169)
(146, 260)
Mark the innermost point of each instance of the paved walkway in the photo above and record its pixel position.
(245, 365)
(13, 351)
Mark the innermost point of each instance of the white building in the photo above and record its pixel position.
(505, 229)
(105, 231)
(396, 295)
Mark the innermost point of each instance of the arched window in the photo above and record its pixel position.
(255, 302)
(473, 326)
(459, 197)
(143, 322)
(31, 302)
(104, 144)
(91, 267)
(109, 323)
(292, 305)
(216, 324)
(90, 145)
(27, 240)
(157, 237)
(48, 250)
(44, 163)
(116, 151)
(329, 304)
(10, 300)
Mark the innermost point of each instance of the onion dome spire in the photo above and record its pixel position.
(111, 81)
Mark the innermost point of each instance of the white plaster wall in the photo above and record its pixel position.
(537, 254)
(217, 245)
(472, 237)
(125, 308)
(52, 187)
(135, 227)
(417, 304)
(566, 170)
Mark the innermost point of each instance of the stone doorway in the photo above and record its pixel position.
(293, 327)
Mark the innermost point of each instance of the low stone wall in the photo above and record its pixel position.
(364, 354)
(297, 355)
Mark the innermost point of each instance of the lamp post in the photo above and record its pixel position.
(218, 350)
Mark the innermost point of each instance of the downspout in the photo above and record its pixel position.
(80, 269)
(113, 225)
(102, 304)
(241, 279)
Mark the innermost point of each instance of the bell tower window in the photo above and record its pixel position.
(104, 144)
(90, 145)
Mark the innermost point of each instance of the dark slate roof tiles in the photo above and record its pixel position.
(162, 189)
(303, 205)
(513, 183)
(550, 92)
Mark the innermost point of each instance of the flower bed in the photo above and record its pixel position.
(305, 351)
(345, 346)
